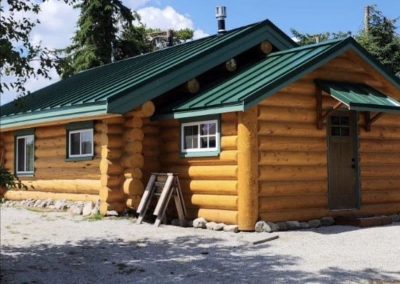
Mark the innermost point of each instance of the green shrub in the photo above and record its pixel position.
(9, 181)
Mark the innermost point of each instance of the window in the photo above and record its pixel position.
(202, 136)
(340, 126)
(80, 143)
(24, 159)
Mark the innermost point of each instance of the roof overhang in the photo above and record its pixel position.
(53, 116)
(360, 97)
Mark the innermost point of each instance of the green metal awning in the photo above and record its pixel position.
(360, 97)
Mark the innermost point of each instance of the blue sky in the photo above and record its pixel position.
(58, 20)
(311, 16)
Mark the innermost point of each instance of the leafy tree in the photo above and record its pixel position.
(381, 40)
(304, 39)
(158, 38)
(17, 52)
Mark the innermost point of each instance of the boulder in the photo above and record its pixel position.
(87, 208)
(395, 218)
(327, 221)
(215, 226)
(260, 226)
(315, 223)
(293, 225)
(60, 204)
(112, 213)
(304, 225)
(95, 211)
(282, 226)
(199, 223)
(231, 228)
(75, 209)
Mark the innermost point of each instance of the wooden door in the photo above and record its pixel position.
(343, 160)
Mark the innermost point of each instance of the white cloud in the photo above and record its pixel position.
(136, 4)
(168, 18)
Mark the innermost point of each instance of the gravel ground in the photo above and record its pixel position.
(53, 247)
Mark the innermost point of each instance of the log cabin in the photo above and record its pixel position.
(255, 126)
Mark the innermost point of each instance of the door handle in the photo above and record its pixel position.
(353, 163)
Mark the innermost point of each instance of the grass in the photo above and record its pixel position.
(95, 217)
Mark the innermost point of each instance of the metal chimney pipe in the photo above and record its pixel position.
(220, 14)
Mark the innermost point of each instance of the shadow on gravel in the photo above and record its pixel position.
(338, 229)
(183, 260)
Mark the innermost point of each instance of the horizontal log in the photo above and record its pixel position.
(380, 132)
(115, 129)
(119, 120)
(225, 157)
(134, 147)
(379, 197)
(376, 159)
(57, 142)
(391, 120)
(133, 160)
(287, 129)
(206, 172)
(108, 206)
(133, 173)
(277, 143)
(293, 158)
(133, 122)
(345, 64)
(380, 171)
(290, 202)
(288, 173)
(50, 132)
(293, 188)
(379, 145)
(283, 114)
(226, 202)
(304, 214)
(111, 154)
(229, 142)
(79, 186)
(229, 116)
(132, 187)
(111, 195)
(59, 152)
(54, 163)
(216, 215)
(290, 100)
(90, 173)
(38, 195)
(228, 128)
(150, 141)
(110, 167)
(323, 74)
(372, 184)
(151, 153)
(109, 140)
(306, 87)
(111, 181)
(151, 129)
(133, 134)
(221, 187)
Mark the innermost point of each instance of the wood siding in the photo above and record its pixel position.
(209, 184)
(293, 181)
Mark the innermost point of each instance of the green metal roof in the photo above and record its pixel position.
(119, 87)
(265, 78)
(360, 97)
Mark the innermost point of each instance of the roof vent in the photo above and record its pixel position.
(220, 14)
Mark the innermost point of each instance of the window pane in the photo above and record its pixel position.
(211, 142)
(203, 142)
(21, 155)
(74, 143)
(335, 131)
(190, 136)
(204, 128)
(344, 120)
(345, 131)
(29, 154)
(212, 128)
(86, 140)
(335, 120)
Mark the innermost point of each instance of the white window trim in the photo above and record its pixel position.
(198, 123)
(80, 143)
(17, 154)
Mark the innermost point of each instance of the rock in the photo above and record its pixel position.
(327, 221)
(304, 225)
(260, 225)
(395, 218)
(282, 226)
(215, 226)
(315, 223)
(60, 204)
(199, 223)
(95, 211)
(51, 206)
(75, 209)
(87, 208)
(112, 213)
(49, 202)
(293, 225)
(37, 202)
(274, 227)
(231, 228)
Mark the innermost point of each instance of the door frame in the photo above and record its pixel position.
(356, 147)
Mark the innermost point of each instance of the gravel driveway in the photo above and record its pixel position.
(52, 247)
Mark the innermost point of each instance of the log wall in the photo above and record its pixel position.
(293, 152)
(209, 184)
